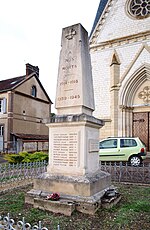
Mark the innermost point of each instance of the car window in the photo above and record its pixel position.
(127, 143)
(108, 144)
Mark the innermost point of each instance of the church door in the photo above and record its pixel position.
(141, 127)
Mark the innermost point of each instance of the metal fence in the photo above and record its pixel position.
(7, 223)
(123, 172)
(13, 172)
(120, 172)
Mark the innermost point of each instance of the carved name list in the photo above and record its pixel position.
(65, 149)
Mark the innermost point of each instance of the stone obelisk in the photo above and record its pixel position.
(73, 169)
(74, 93)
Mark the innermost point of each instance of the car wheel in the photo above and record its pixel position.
(135, 161)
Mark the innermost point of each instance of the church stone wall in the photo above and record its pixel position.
(101, 83)
(120, 46)
(101, 72)
(127, 54)
(117, 24)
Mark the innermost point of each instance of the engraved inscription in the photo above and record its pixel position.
(70, 66)
(93, 145)
(69, 82)
(69, 97)
(65, 149)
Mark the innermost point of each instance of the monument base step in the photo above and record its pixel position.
(62, 206)
(66, 205)
(83, 193)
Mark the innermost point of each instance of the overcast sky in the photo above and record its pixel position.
(30, 32)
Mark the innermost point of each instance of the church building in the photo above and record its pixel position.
(120, 56)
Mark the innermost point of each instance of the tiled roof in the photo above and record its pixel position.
(101, 7)
(9, 84)
(31, 136)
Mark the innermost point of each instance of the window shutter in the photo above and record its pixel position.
(4, 105)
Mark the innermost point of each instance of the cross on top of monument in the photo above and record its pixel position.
(71, 33)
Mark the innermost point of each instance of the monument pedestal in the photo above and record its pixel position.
(74, 144)
(73, 169)
(82, 193)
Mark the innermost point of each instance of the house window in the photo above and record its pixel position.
(33, 91)
(1, 130)
(3, 105)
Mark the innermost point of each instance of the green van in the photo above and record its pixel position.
(129, 149)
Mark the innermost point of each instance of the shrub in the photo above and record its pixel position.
(22, 157)
(13, 158)
(37, 156)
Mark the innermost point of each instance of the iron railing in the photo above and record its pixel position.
(120, 172)
(123, 172)
(7, 223)
(21, 171)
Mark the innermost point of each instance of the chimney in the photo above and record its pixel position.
(32, 69)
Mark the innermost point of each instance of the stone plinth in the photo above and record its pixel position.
(85, 192)
(85, 186)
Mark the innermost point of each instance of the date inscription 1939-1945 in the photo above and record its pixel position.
(68, 98)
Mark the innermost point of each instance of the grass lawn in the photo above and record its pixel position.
(132, 212)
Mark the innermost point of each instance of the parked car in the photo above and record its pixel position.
(129, 149)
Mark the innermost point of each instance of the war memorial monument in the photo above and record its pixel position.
(73, 170)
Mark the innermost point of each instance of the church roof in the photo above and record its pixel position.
(100, 10)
